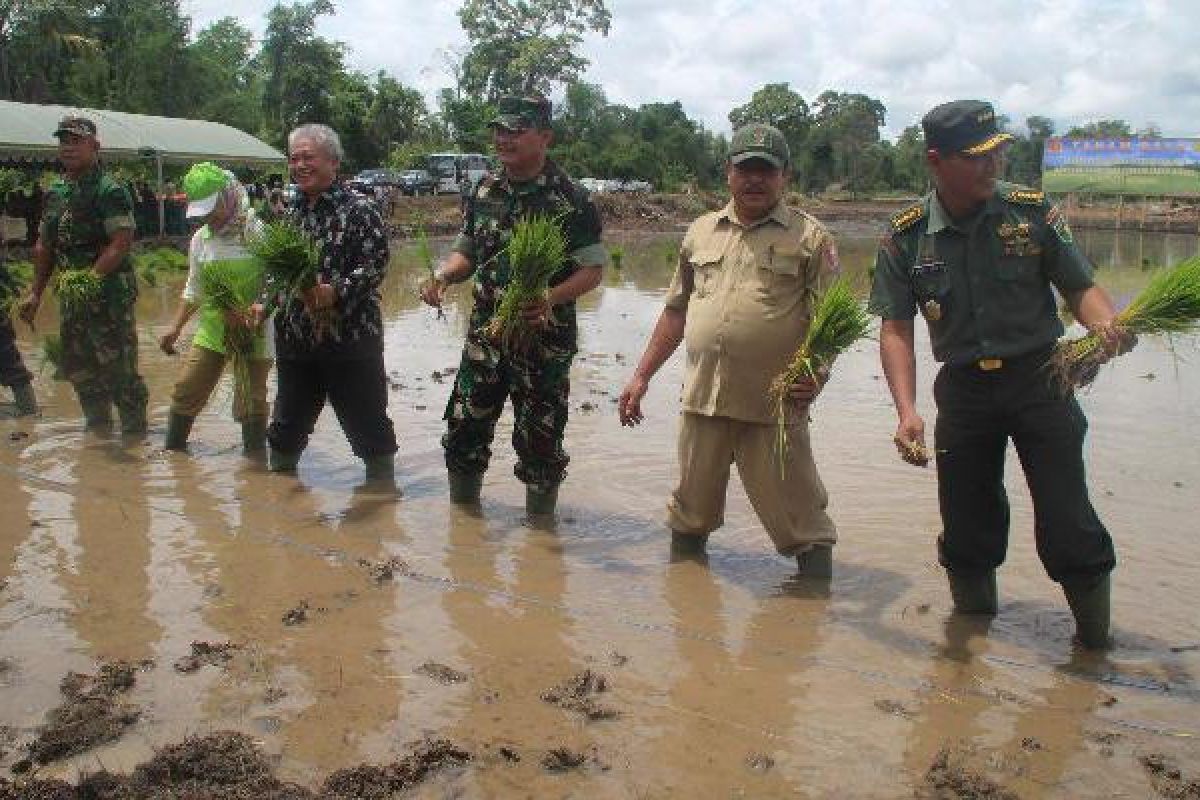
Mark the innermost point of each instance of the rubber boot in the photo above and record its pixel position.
(381, 468)
(254, 435)
(1090, 603)
(688, 546)
(465, 487)
(179, 426)
(97, 413)
(25, 400)
(816, 562)
(133, 421)
(279, 461)
(974, 592)
(541, 501)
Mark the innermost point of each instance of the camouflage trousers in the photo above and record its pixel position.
(100, 360)
(538, 385)
(12, 367)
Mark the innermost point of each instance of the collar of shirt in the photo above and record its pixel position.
(547, 177)
(780, 215)
(940, 219)
(88, 178)
(330, 197)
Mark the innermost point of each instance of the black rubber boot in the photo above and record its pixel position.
(465, 487)
(974, 592)
(25, 400)
(279, 461)
(97, 413)
(254, 435)
(381, 468)
(1090, 603)
(539, 501)
(688, 546)
(179, 427)
(816, 562)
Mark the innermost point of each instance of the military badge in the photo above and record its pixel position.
(907, 218)
(1057, 220)
(933, 310)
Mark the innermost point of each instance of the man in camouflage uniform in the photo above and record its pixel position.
(88, 224)
(978, 258)
(537, 379)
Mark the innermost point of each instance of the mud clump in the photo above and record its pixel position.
(949, 779)
(441, 673)
(1168, 780)
(578, 694)
(92, 713)
(382, 572)
(297, 615)
(206, 654)
(375, 782)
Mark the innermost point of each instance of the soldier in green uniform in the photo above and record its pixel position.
(537, 380)
(88, 224)
(978, 258)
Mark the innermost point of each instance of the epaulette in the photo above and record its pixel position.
(1026, 197)
(907, 218)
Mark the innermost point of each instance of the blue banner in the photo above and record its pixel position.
(1133, 152)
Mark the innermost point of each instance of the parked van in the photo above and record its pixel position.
(456, 172)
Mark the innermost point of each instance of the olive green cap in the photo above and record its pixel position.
(759, 141)
(516, 112)
(963, 126)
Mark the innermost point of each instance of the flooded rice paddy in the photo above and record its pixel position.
(336, 626)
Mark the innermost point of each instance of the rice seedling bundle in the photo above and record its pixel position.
(13, 282)
(217, 281)
(291, 261)
(536, 251)
(78, 288)
(425, 256)
(838, 321)
(1169, 305)
(52, 354)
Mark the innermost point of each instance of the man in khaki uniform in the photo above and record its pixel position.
(741, 299)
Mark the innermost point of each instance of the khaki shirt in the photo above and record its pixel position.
(748, 294)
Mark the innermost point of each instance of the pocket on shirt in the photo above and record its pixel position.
(706, 266)
(781, 274)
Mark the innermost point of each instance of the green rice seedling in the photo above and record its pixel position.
(425, 256)
(536, 251)
(839, 320)
(1169, 305)
(52, 354)
(616, 255)
(14, 280)
(78, 288)
(217, 281)
(290, 260)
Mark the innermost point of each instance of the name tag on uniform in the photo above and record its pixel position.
(928, 267)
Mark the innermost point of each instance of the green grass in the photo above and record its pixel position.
(1113, 180)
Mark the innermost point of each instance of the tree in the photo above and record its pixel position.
(1103, 129)
(299, 67)
(525, 45)
(39, 42)
(842, 144)
(227, 88)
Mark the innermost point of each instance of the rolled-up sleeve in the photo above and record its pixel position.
(891, 291)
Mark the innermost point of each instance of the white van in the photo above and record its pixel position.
(456, 172)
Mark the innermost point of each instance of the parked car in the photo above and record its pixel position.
(416, 182)
(369, 180)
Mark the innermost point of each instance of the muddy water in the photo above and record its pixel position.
(731, 679)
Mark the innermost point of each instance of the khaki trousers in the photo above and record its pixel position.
(790, 504)
(200, 377)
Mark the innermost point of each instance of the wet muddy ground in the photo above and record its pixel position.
(190, 625)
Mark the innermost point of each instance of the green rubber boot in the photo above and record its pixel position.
(1090, 603)
(541, 501)
(816, 561)
(689, 547)
(279, 461)
(25, 400)
(254, 435)
(179, 427)
(97, 413)
(381, 468)
(465, 487)
(974, 592)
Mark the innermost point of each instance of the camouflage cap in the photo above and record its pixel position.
(963, 126)
(759, 141)
(76, 126)
(515, 112)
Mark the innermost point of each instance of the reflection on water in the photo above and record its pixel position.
(729, 678)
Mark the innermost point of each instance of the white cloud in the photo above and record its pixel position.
(1069, 60)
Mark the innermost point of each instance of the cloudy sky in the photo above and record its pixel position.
(1070, 60)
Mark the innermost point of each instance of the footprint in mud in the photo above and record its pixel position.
(577, 694)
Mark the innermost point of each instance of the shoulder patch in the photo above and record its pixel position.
(1026, 197)
(907, 218)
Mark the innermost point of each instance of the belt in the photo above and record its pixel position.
(990, 364)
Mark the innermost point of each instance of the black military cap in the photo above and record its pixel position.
(522, 111)
(74, 125)
(963, 126)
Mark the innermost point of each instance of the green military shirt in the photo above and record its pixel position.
(982, 284)
(82, 216)
(496, 204)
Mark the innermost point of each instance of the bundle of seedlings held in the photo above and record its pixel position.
(1170, 304)
(217, 281)
(536, 251)
(78, 288)
(52, 354)
(838, 321)
(14, 278)
(290, 260)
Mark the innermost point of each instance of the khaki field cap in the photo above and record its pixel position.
(78, 126)
(517, 112)
(963, 126)
(759, 141)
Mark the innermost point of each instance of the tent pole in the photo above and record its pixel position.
(161, 199)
